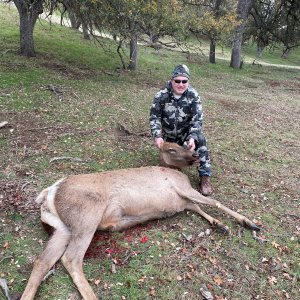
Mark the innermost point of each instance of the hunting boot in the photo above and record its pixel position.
(205, 186)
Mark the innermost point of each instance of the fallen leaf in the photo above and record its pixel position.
(272, 280)
(179, 278)
(212, 260)
(258, 222)
(275, 245)
(97, 281)
(285, 249)
(184, 250)
(6, 245)
(218, 280)
(152, 292)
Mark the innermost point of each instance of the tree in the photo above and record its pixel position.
(29, 12)
(129, 21)
(289, 33)
(69, 8)
(275, 23)
(264, 18)
(215, 20)
(243, 10)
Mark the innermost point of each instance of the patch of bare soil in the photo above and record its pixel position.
(28, 135)
(17, 195)
(28, 130)
(66, 71)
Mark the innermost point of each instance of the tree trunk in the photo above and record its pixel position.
(212, 51)
(285, 53)
(236, 51)
(133, 53)
(29, 12)
(259, 51)
(75, 23)
(85, 31)
(243, 10)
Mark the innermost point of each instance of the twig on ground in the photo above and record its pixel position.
(75, 95)
(56, 90)
(125, 131)
(74, 159)
(240, 232)
(292, 216)
(24, 185)
(6, 257)
(43, 128)
(134, 253)
(206, 293)
(257, 238)
(259, 124)
(108, 73)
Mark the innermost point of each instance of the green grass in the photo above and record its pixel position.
(70, 100)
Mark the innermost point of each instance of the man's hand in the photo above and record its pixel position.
(159, 142)
(191, 145)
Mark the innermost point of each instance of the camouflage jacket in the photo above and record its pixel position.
(176, 119)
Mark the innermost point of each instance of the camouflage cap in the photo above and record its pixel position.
(181, 70)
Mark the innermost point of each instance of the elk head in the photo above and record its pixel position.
(176, 157)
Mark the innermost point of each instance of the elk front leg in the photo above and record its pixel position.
(123, 222)
(116, 219)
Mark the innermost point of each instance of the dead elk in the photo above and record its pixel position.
(79, 205)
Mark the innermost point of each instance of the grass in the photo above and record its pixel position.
(70, 101)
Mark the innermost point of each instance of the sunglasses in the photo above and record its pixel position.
(179, 81)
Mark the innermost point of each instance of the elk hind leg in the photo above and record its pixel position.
(53, 251)
(73, 259)
(240, 218)
(196, 197)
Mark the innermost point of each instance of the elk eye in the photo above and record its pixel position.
(171, 150)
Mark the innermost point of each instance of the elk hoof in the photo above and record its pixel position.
(222, 228)
(251, 225)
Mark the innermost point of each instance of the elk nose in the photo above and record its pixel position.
(195, 155)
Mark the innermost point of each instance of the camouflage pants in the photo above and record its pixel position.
(204, 168)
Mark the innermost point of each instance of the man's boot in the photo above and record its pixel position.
(205, 186)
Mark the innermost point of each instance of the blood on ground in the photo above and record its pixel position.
(104, 243)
